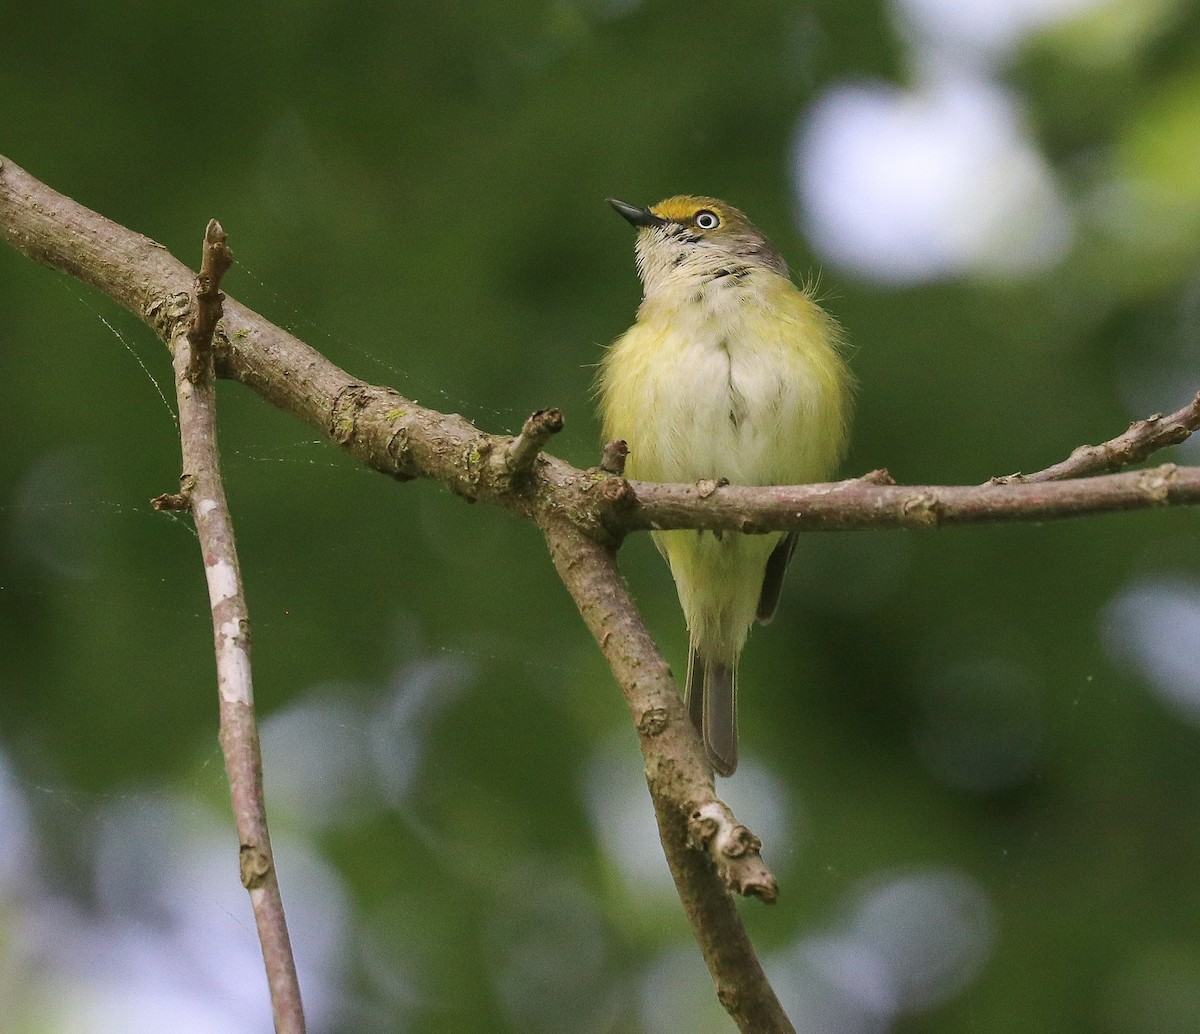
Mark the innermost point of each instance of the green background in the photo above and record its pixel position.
(962, 749)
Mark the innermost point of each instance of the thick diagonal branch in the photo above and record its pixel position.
(688, 811)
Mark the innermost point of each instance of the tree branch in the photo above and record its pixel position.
(706, 848)
(392, 434)
(584, 514)
(203, 492)
(860, 505)
(1143, 438)
(538, 430)
(614, 456)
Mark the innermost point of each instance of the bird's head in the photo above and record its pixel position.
(687, 239)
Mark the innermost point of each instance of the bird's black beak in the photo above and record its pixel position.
(636, 216)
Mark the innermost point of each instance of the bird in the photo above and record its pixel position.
(731, 372)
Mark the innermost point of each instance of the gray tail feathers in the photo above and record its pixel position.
(712, 702)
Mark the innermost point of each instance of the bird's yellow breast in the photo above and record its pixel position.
(734, 377)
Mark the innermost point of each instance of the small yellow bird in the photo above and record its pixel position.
(731, 371)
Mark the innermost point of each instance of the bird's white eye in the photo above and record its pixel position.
(706, 220)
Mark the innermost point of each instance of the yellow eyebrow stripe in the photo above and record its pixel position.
(682, 209)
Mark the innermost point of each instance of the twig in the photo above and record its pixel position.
(181, 500)
(538, 430)
(1143, 438)
(215, 261)
(614, 457)
(685, 803)
(202, 491)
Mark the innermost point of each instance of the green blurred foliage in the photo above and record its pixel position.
(417, 191)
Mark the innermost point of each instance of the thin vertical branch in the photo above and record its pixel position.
(202, 492)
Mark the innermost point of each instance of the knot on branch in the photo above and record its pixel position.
(616, 494)
(614, 498)
(1156, 484)
(733, 849)
(399, 445)
(475, 467)
(181, 500)
(1174, 435)
(344, 413)
(706, 487)
(612, 461)
(922, 509)
(165, 313)
(652, 722)
(254, 865)
(878, 476)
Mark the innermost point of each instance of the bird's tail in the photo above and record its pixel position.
(712, 702)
